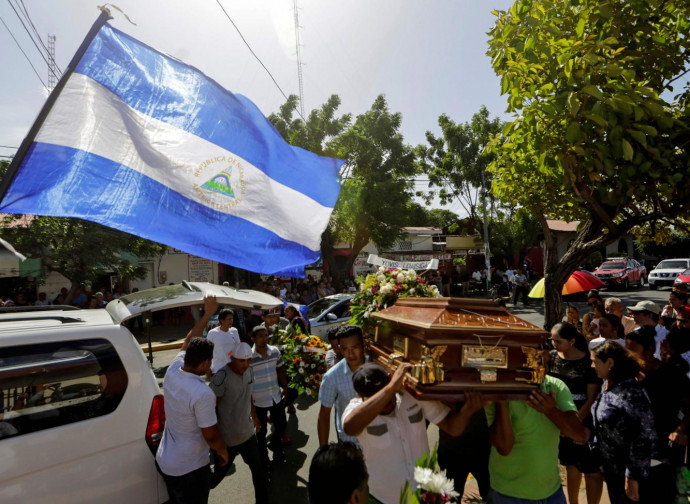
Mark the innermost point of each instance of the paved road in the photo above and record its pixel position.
(290, 479)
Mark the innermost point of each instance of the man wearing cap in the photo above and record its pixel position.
(337, 389)
(391, 427)
(646, 313)
(225, 338)
(269, 378)
(238, 420)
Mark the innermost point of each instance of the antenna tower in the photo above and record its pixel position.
(299, 59)
(52, 66)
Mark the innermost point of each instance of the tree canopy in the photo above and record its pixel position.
(456, 160)
(597, 135)
(377, 182)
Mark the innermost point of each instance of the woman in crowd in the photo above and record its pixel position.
(623, 423)
(570, 362)
(676, 299)
(572, 316)
(668, 389)
(610, 328)
(590, 321)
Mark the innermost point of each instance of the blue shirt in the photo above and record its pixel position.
(337, 390)
(624, 429)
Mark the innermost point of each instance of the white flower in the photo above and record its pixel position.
(440, 484)
(301, 370)
(386, 289)
(422, 476)
(382, 269)
(309, 392)
(312, 366)
(411, 292)
(381, 278)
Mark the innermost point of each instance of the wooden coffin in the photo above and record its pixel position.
(459, 344)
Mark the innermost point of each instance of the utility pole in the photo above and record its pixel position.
(487, 252)
(299, 59)
(52, 66)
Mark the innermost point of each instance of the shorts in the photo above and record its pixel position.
(583, 457)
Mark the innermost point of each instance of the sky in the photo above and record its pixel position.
(427, 57)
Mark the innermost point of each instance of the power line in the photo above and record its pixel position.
(32, 38)
(25, 11)
(22, 50)
(254, 54)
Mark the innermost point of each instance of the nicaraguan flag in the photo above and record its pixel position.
(144, 143)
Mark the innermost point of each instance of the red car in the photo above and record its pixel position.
(621, 272)
(683, 279)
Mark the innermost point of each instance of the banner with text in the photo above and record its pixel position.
(413, 265)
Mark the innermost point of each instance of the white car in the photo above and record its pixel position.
(326, 312)
(82, 413)
(666, 272)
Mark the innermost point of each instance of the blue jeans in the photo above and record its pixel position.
(498, 498)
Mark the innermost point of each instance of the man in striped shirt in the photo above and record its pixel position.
(269, 378)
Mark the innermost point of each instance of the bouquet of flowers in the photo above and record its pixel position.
(304, 357)
(380, 290)
(432, 484)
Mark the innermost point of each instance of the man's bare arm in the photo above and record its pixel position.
(501, 431)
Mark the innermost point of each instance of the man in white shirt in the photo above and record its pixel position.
(391, 428)
(191, 425)
(225, 338)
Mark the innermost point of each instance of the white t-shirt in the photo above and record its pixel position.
(661, 333)
(477, 276)
(392, 443)
(223, 345)
(189, 407)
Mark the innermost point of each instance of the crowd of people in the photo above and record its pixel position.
(612, 409)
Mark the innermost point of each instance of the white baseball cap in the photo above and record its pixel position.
(242, 351)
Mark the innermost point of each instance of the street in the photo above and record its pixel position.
(289, 480)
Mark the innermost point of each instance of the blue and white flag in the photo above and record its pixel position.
(144, 143)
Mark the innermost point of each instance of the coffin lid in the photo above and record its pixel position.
(455, 314)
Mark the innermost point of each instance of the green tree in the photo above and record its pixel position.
(511, 235)
(378, 185)
(597, 136)
(456, 161)
(376, 194)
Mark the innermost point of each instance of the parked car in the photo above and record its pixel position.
(82, 413)
(326, 312)
(621, 272)
(667, 271)
(683, 279)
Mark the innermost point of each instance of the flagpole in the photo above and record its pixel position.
(52, 98)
